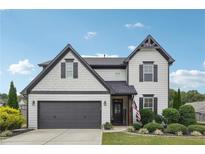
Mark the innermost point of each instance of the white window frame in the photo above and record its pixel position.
(69, 76)
(152, 72)
(152, 98)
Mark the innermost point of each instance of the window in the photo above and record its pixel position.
(148, 72)
(69, 69)
(148, 103)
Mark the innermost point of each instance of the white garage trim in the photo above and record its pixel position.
(33, 107)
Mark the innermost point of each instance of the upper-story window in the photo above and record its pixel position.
(148, 70)
(69, 69)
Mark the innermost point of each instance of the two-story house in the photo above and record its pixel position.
(76, 92)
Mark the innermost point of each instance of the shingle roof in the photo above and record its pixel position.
(96, 62)
(121, 88)
(105, 61)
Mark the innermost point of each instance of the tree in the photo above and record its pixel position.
(179, 98)
(12, 97)
(175, 101)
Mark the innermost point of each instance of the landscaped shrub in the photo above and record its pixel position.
(146, 116)
(158, 118)
(198, 128)
(175, 127)
(158, 132)
(196, 133)
(152, 126)
(171, 114)
(143, 131)
(10, 118)
(137, 126)
(107, 126)
(187, 115)
(130, 129)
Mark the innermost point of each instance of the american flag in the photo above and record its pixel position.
(138, 116)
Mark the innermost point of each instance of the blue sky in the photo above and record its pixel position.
(29, 37)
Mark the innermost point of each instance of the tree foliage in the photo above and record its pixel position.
(186, 97)
(12, 97)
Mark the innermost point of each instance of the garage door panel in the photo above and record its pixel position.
(69, 114)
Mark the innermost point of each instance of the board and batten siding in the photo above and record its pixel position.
(32, 110)
(112, 74)
(160, 88)
(85, 81)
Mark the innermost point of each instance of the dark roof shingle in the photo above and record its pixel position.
(96, 62)
(121, 88)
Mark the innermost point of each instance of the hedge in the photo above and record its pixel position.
(198, 128)
(175, 127)
(137, 126)
(146, 116)
(152, 126)
(187, 115)
(171, 114)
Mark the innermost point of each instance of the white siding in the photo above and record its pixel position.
(112, 74)
(160, 88)
(85, 81)
(32, 110)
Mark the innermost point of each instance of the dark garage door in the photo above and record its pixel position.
(69, 114)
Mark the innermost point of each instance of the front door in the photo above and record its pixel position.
(117, 111)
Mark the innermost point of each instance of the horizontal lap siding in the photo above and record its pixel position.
(160, 88)
(112, 74)
(35, 97)
(85, 81)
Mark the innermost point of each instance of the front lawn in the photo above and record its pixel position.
(121, 138)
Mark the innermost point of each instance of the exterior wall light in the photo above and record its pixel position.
(105, 103)
(33, 103)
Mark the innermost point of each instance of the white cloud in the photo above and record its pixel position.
(22, 67)
(131, 47)
(100, 55)
(90, 35)
(187, 79)
(204, 63)
(135, 25)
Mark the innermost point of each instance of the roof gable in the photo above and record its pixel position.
(150, 42)
(54, 62)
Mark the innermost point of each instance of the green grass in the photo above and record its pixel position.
(128, 139)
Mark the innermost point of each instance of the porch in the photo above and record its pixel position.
(121, 110)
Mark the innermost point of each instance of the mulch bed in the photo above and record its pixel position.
(20, 131)
(165, 134)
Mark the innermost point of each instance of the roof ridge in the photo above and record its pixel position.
(53, 62)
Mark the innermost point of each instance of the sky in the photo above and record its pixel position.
(29, 37)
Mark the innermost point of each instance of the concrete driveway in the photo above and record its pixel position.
(57, 136)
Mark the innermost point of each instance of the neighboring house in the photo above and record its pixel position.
(76, 92)
(2, 104)
(199, 110)
(23, 108)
